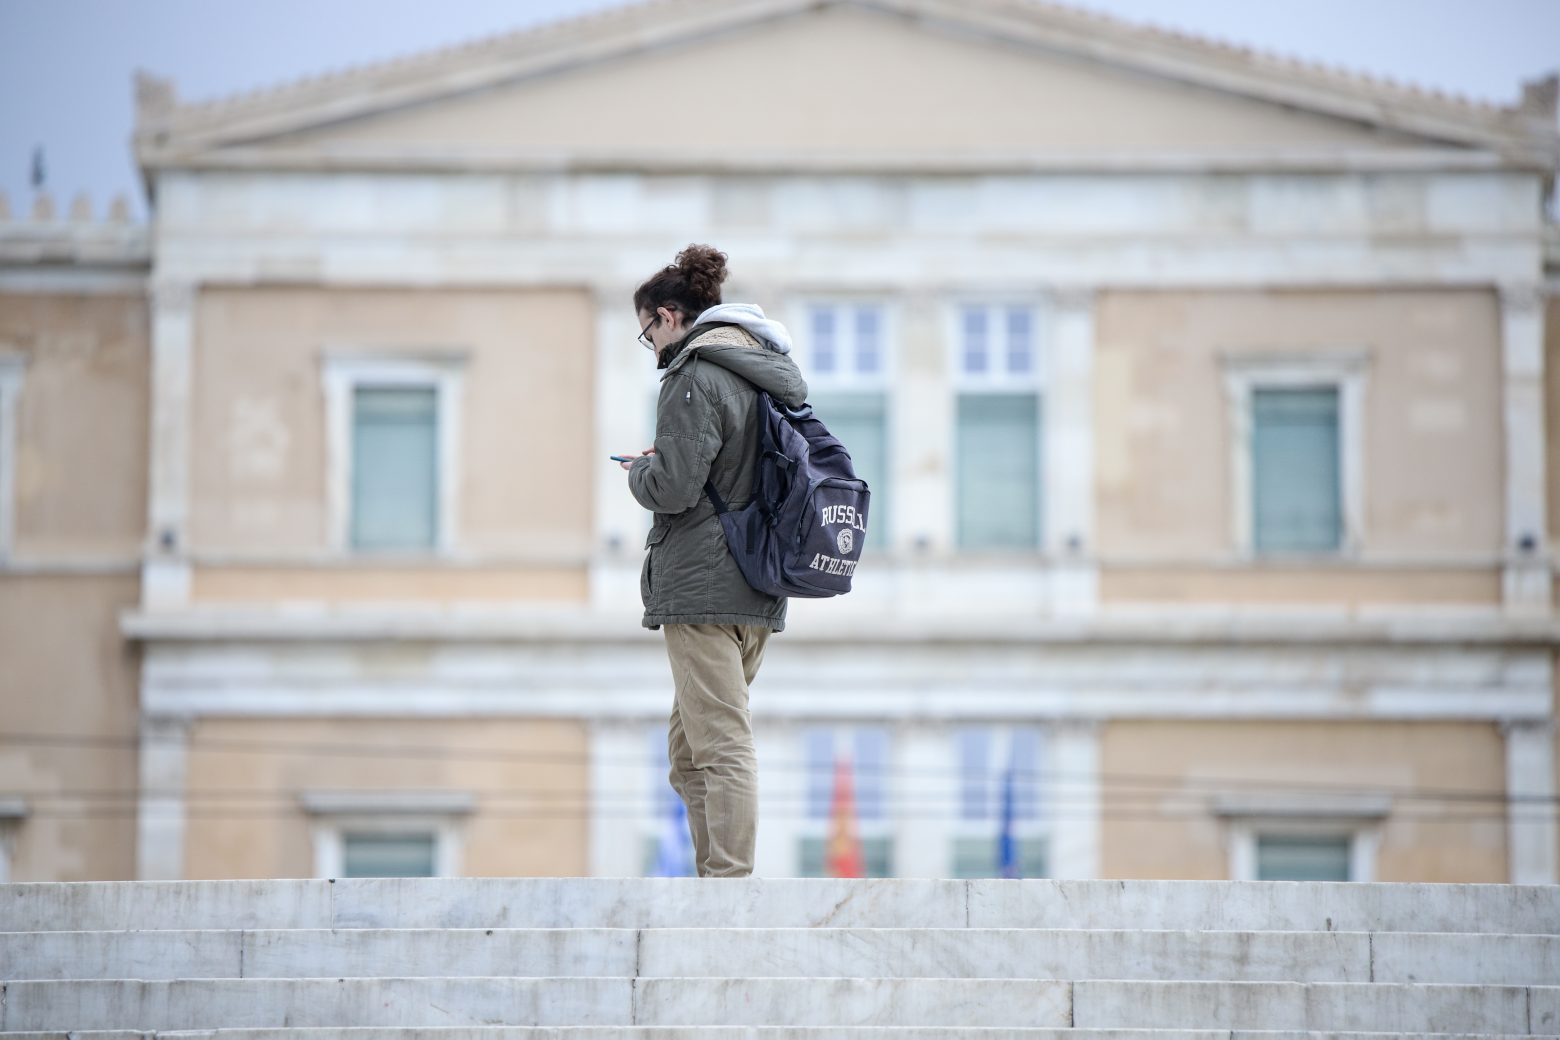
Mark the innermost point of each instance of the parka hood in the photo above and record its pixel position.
(739, 351)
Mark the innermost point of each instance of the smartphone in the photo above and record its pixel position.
(622, 458)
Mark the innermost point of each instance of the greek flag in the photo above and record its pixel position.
(1007, 848)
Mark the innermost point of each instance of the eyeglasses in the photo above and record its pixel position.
(643, 342)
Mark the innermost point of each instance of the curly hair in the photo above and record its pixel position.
(690, 284)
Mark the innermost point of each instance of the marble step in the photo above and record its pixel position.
(729, 1033)
(400, 1002)
(776, 903)
(787, 952)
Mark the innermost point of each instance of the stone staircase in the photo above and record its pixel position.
(582, 958)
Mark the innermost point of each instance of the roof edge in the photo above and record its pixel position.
(1526, 131)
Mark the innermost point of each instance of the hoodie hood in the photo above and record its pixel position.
(736, 351)
(750, 316)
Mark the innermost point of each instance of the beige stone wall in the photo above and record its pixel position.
(1435, 755)
(986, 96)
(82, 429)
(65, 670)
(1432, 435)
(531, 806)
(259, 465)
(80, 513)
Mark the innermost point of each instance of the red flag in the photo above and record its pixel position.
(844, 858)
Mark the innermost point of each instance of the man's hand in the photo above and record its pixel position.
(630, 462)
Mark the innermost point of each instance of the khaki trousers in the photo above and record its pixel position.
(710, 741)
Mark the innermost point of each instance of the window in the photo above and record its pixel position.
(368, 854)
(996, 341)
(846, 361)
(860, 421)
(986, 756)
(980, 858)
(1295, 497)
(1303, 839)
(998, 461)
(1303, 857)
(395, 467)
(998, 471)
(845, 342)
(867, 751)
(10, 392)
(387, 833)
(393, 473)
(1296, 451)
(877, 856)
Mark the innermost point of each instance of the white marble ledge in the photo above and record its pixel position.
(818, 623)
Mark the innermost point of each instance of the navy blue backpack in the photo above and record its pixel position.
(802, 532)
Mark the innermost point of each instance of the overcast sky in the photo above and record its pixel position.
(66, 65)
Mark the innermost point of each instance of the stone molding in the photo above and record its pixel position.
(172, 134)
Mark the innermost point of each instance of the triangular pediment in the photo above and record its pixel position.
(849, 80)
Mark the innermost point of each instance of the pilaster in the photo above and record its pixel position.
(1526, 579)
(160, 818)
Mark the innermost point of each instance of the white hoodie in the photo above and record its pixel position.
(751, 317)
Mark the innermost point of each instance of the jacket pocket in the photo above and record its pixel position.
(647, 572)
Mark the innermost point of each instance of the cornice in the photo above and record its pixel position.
(374, 158)
(559, 626)
(170, 133)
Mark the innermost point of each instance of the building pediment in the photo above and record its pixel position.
(848, 84)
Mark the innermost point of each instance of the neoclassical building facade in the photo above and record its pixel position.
(1204, 396)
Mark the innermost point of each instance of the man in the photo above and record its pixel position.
(716, 625)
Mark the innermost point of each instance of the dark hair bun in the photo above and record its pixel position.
(691, 284)
(704, 267)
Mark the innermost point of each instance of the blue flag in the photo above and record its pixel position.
(674, 858)
(1007, 848)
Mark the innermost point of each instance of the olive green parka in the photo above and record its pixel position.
(707, 428)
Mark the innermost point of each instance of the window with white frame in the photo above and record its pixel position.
(1303, 840)
(1296, 451)
(847, 360)
(389, 853)
(394, 427)
(862, 753)
(389, 833)
(999, 778)
(10, 393)
(1304, 857)
(998, 461)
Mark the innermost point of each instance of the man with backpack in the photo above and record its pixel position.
(716, 360)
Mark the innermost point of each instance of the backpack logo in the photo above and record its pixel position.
(846, 540)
